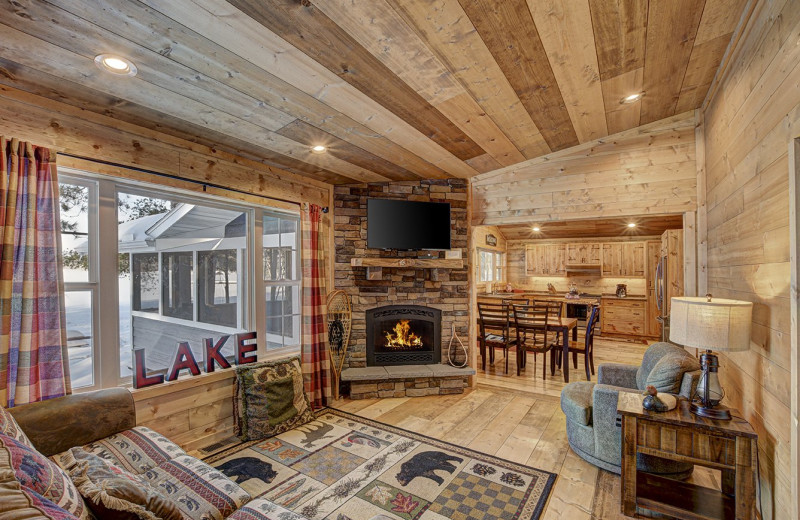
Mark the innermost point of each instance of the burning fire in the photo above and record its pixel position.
(402, 337)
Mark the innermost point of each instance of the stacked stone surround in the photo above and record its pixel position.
(408, 387)
(445, 289)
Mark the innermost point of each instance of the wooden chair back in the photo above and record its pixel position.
(531, 321)
(493, 318)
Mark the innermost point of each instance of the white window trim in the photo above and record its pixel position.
(103, 218)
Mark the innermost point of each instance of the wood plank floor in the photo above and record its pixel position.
(520, 419)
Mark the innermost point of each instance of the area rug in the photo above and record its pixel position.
(345, 467)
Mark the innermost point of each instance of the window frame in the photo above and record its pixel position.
(103, 217)
(297, 282)
(497, 271)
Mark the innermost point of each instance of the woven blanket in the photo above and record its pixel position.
(345, 467)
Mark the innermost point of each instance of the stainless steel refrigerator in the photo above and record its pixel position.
(669, 276)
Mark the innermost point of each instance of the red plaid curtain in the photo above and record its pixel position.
(33, 338)
(316, 365)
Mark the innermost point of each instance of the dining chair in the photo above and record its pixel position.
(495, 326)
(530, 322)
(587, 349)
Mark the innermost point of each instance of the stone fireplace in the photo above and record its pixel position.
(403, 335)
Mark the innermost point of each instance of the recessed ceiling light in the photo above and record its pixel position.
(115, 64)
(536, 229)
(632, 98)
(632, 224)
(318, 149)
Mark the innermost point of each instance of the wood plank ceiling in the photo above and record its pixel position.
(396, 89)
(594, 228)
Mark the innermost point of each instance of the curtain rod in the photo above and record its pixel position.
(176, 177)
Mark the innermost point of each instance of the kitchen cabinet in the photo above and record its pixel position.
(545, 260)
(653, 326)
(621, 316)
(623, 259)
(583, 254)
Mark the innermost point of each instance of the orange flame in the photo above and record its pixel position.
(402, 337)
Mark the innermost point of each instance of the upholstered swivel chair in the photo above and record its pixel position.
(593, 428)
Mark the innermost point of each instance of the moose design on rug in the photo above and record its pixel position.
(425, 464)
(314, 433)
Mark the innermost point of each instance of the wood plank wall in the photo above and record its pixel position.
(649, 170)
(196, 411)
(749, 124)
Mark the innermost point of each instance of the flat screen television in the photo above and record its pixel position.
(407, 225)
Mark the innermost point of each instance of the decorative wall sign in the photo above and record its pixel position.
(491, 240)
(184, 359)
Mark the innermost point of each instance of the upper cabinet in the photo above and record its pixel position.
(624, 259)
(617, 259)
(545, 259)
(583, 254)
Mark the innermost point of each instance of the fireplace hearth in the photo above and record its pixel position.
(403, 335)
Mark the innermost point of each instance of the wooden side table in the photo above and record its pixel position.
(729, 446)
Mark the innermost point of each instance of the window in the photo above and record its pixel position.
(78, 240)
(146, 268)
(281, 243)
(490, 266)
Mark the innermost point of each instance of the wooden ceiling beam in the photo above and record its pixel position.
(511, 36)
(448, 33)
(570, 48)
(313, 33)
(383, 32)
(670, 38)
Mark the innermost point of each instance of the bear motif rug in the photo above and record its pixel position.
(345, 467)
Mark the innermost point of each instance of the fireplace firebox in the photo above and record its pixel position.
(404, 335)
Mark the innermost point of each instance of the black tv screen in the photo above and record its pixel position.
(409, 225)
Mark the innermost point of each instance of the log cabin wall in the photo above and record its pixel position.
(196, 411)
(750, 121)
(649, 170)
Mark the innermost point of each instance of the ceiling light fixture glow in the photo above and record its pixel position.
(536, 229)
(318, 149)
(632, 98)
(632, 224)
(115, 65)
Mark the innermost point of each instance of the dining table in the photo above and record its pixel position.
(563, 326)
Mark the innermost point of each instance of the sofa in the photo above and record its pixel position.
(593, 426)
(54, 453)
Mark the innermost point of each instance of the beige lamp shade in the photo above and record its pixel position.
(718, 324)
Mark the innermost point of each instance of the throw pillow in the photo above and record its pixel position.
(42, 476)
(8, 426)
(115, 494)
(270, 399)
(667, 373)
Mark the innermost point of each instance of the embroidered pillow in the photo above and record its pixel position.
(115, 494)
(270, 399)
(39, 474)
(8, 426)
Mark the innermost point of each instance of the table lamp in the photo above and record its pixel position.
(718, 324)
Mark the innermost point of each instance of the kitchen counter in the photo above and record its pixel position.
(629, 297)
(588, 300)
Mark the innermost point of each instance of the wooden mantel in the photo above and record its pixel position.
(375, 265)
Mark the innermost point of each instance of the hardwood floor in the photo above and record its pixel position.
(520, 419)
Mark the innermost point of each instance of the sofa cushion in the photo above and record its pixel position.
(200, 491)
(576, 402)
(8, 426)
(261, 509)
(20, 503)
(667, 374)
(651, 356)
(115, 494)
(39, 474)
(136, 450)
(270, 399)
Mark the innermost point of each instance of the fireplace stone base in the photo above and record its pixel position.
(406, 381)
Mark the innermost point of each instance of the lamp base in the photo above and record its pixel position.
(718, 413)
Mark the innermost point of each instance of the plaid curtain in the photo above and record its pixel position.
(33, 337)
(316, 365)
